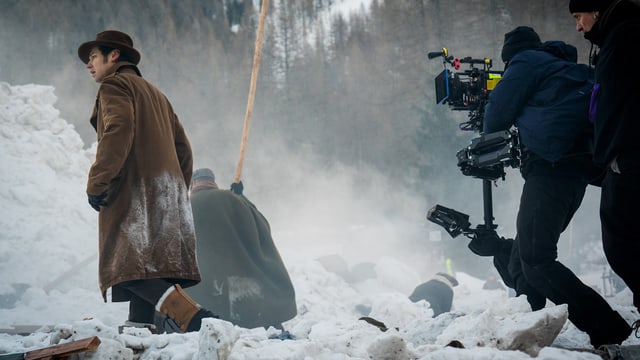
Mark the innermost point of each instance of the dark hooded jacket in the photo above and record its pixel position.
(243, 276)
(616, 97)
(545, 94)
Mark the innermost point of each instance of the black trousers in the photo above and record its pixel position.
(619, 215)
(548, 202)
(143, 297)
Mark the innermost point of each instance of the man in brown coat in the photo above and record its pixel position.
(139, 185)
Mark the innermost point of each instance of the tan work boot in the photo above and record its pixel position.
(177, 305)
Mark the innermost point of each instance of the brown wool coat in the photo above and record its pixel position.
(144, 163)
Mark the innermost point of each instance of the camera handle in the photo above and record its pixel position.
(456, 223)
(487, 199)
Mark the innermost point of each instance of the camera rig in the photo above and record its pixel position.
(466, 90)
(486, 156)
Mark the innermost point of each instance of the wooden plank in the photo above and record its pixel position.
(63, 350)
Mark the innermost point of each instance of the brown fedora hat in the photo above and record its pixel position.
(112, 38)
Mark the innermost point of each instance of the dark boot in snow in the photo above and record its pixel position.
(196, 320)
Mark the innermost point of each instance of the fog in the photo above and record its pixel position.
(50, 272)
(347, 150)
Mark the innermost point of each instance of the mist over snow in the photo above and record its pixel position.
(49, 241)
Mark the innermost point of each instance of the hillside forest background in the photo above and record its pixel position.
(337, 90)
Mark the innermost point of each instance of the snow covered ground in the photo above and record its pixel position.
(47, 259)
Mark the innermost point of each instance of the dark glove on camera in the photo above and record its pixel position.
(237, 187)
(97, 200)
(485, 242)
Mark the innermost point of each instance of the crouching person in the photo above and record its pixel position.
(243, 276)
(438, 292)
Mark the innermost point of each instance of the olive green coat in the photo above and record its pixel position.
(244, 280)
(144, 163)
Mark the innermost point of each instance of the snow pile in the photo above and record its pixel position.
(45, 221)
(49, 230)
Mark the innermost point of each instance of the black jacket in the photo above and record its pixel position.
(545, 93)
(615, 104)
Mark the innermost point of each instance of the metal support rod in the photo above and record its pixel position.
(488, 204)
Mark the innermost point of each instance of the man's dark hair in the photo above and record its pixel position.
(105, 50)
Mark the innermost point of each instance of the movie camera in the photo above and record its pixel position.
(486, 156)
(466, 90)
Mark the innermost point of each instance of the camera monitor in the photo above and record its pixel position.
(442, 87)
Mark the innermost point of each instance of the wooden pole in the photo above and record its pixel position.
(252, 88)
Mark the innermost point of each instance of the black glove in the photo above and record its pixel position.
(97, 200)
(237, 187)
(486, 242)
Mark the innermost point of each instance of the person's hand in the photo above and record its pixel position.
(97, 200)
(237, 187)
(485, 242)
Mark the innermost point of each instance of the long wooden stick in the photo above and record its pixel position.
(252, 88)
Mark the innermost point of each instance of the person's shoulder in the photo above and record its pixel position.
(621, 19)
(213, 197)
(530, 56)
(625, 10)
(118, 78)
(220, 194)
(541, 60)
(207, 191)
(113, 83)
(126, 74)
(126, 68)
(561, 50)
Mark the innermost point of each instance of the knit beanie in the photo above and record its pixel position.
(588, 5)
(519, 39)
(203, 175)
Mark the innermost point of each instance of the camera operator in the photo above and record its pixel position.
(545, 94)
